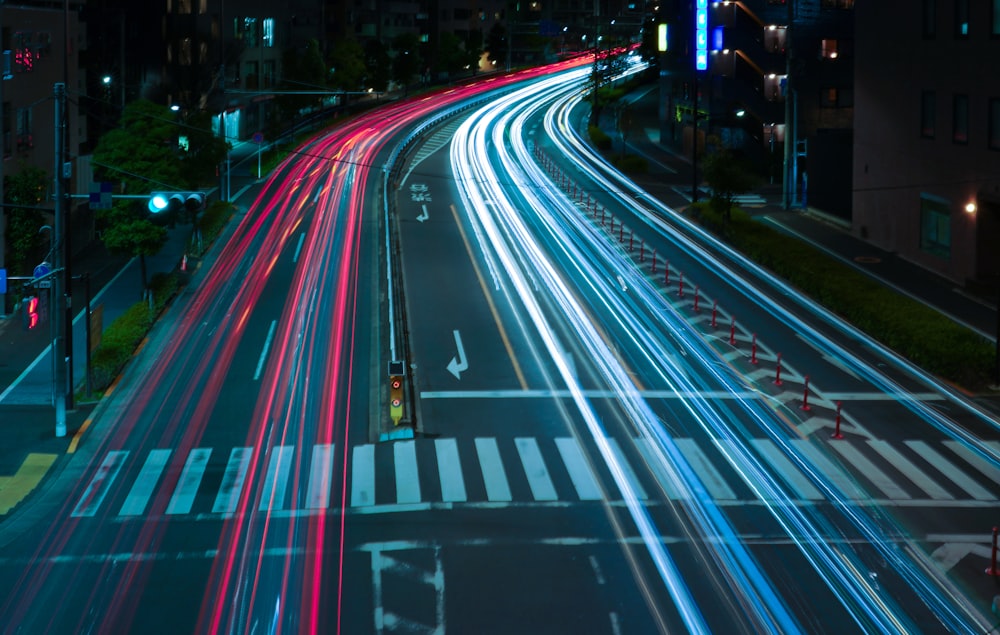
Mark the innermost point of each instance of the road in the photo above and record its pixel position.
(593, 452)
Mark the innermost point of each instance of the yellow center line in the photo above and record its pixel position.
(76, 437)
(489, 301)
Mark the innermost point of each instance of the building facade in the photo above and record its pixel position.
(927, 134)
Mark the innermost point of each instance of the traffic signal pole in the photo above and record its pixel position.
(61, 282)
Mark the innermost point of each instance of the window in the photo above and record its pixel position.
(25, 139)
(836, 97)
(935, 225)
(994, 124)
(930, 19)
(837, 4)
(6, 128)
(962, 19)
(960, 119)
(995, 18)
(928, 114)
(828, 49)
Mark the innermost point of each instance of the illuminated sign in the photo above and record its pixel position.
(661, 40)
(701, 35)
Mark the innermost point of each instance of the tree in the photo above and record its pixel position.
(206, 150)
(496, 43)
(729, 175)
(25, 244)
(304, 70)
(142, 155)
(347, 65)
(451, 57)
(474, 49)
(377, 66)
(407, 62)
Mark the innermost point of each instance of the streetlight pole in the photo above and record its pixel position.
(61, 280)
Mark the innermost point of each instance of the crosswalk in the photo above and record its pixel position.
(502, 471)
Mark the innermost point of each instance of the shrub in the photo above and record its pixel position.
(599, 138)
(631, 164)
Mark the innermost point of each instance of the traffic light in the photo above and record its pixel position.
(31, 316)
(395, 399)
(166, 206)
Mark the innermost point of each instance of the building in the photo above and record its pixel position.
(777, 81)
(927, 134)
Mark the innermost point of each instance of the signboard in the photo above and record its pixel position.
(41, 271)
(701, 35)
(258, 137)
(3, 281)
(100, 195)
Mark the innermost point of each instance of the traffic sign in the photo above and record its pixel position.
(258, 137)
(41, 271)
(100, 195)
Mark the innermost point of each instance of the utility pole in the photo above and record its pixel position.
(788, 176)
(3, 209)
(60, 281)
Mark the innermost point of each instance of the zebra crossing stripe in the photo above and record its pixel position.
(802, 486)
(450, 471)
(363, 476)
(580, 473)
(877, 477)
(955, 475)
(407, 477)
(232, 481)
(276, 479)
(986, 468)
(99, 485)
(710, 477)
(187, 486)
(138, 497)
(653, 462)
(534, 469)
(494, 477)
(626, 467)
(910, 470)
(320, 477)
(836, 475)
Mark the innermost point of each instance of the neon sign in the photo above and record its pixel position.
(701, 35)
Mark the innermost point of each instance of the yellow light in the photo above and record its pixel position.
(970, 207)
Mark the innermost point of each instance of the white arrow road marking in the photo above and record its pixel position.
(459, 364)
(424, 215)
(621, 281)
(951, 553)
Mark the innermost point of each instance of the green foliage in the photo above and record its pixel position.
(450, 58)
(304, 70)
(206, 150)
(120, 339)
(378, 66)
(134, 236)
(406, 62)
(631, 164)
(213, 220)
(912, 329)
(728, 175)
(347, 65)
(142, 154)
(599, 138)
(496, 44)
(25, 244)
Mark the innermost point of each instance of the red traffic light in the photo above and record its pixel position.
(31, 317)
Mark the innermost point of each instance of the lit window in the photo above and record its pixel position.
(828, 49)
(961, 19)
(935, 225)
(995, 18)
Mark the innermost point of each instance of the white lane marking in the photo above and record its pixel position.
(871, 472)
(138, 497)
(450, 471)
(363, 476)
(298, 247)
(633, 480)
(263, 352)
(276, 479)
(836, 475)
(494, 477)
(710, 477)
(534, 469)
(919, 478)
(596, 566)
(672, 394)
(228, 497)
(187, 485)
(580, 473)
(792, 475)
(663, 477)
(99, 485)
(951, 471)
(320, 477)
(986, 468)
(407, 477)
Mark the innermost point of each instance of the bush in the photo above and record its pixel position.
(213, 221)
(631, 164)
(599, 138)
(915, 331)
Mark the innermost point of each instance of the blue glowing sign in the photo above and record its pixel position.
(701, 35)
(717, 39)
